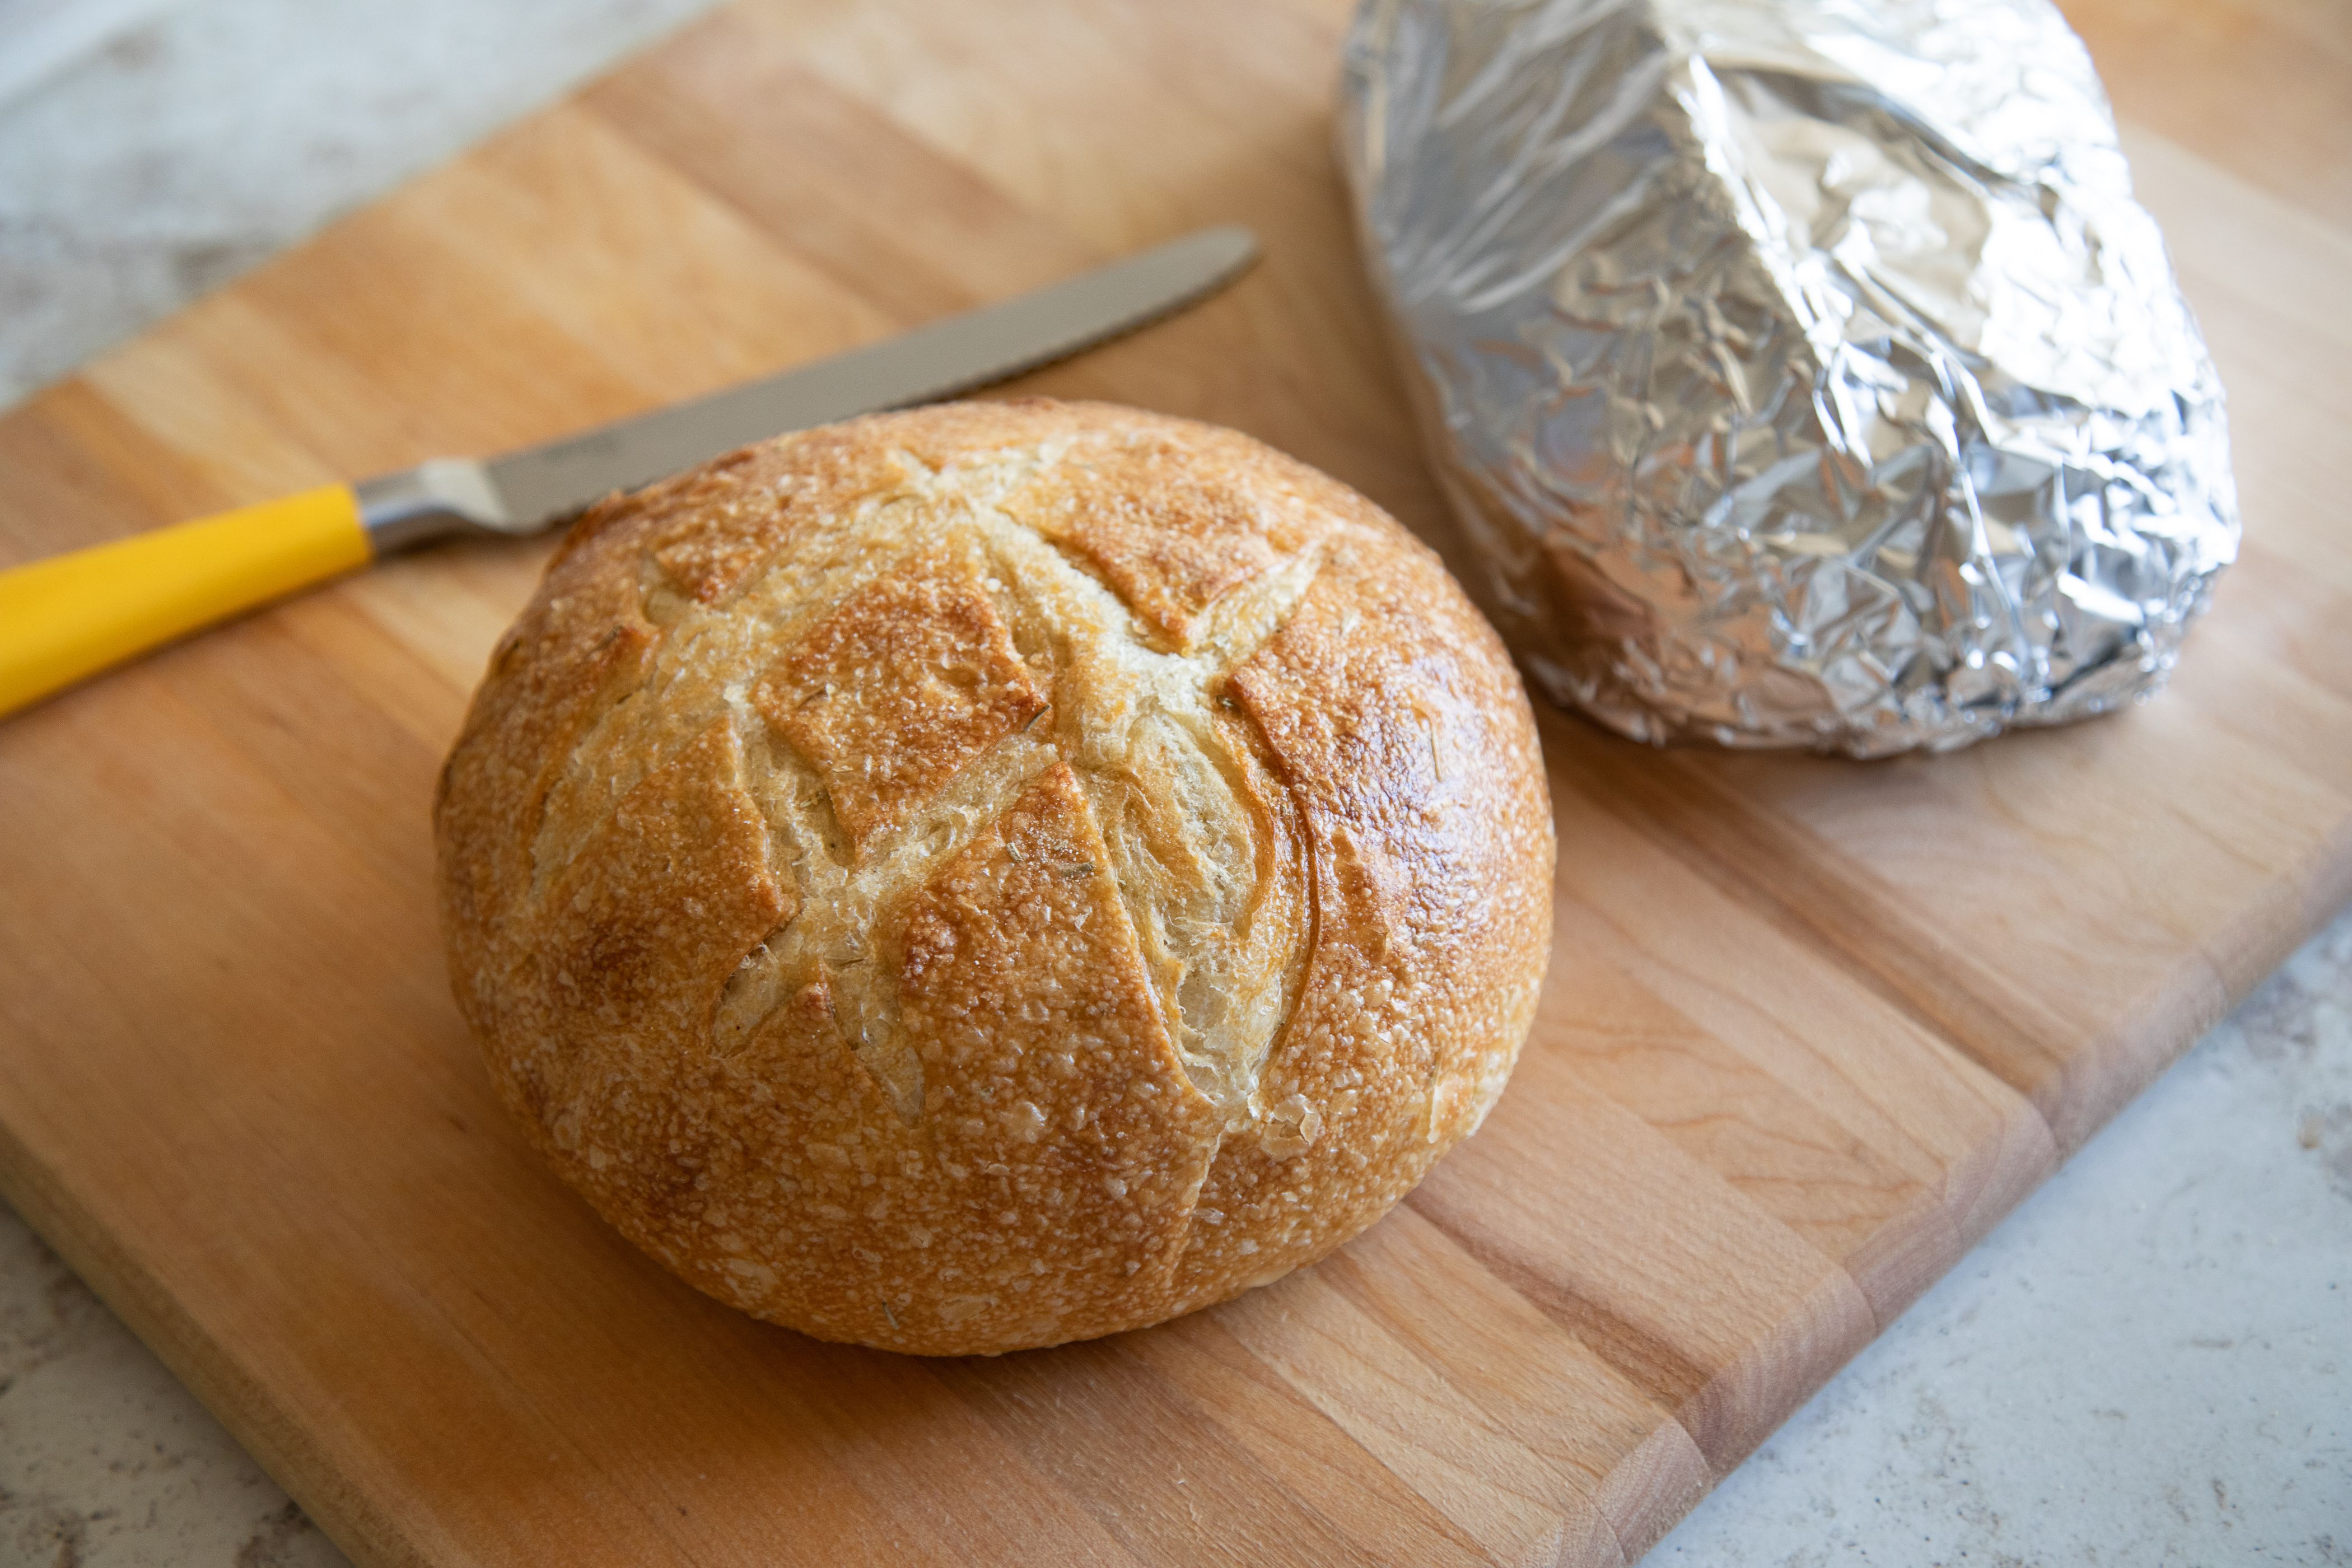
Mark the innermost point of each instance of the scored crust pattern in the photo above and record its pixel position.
(994, 875)
(890, 695)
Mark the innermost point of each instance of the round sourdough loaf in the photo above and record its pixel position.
(978, 878)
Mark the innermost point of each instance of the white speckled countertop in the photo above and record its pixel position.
(2150, 1362)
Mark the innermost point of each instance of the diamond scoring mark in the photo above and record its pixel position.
(1169, 536)
(895, 782)
(894, 693)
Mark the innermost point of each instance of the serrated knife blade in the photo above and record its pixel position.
(527, 490)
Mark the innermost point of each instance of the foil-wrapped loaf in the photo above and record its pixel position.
(1802, 371)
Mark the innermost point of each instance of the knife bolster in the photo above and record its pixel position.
(432, 500)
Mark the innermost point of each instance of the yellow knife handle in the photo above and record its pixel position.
(72, 616)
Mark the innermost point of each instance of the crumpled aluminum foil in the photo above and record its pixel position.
(1802, 371)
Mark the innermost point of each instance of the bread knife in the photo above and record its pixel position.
(69, 616)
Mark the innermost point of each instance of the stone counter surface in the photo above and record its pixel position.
(2150, 1362)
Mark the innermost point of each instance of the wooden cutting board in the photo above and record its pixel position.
(1810, 1027)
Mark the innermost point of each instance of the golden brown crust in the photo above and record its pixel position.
(1160, 517)
(976, 878)
(890, 695)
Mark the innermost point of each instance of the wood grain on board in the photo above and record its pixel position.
(1810, 1029)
